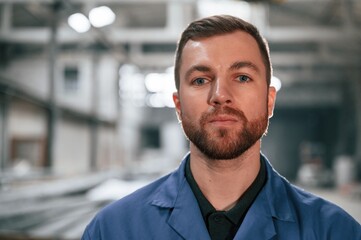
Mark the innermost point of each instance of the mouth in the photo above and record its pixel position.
(223, 120)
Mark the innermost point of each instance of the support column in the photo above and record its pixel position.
(4, 136)
(357, 96)
(94, 124)
(7, 12)
(53, 111)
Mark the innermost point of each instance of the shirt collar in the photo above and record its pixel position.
(272, 202)
(237, 213)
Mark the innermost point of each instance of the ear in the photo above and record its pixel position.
(177, 104)
(271, 100)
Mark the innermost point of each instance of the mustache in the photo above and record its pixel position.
(239, 114)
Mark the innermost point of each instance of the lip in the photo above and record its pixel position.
(223, 120)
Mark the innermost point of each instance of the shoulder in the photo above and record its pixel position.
(310, 202)
(324, 217)
(305, 206)
(311, 216)
(125, 213)
(133, 201)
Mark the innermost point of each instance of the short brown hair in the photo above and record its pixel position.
(218, 25)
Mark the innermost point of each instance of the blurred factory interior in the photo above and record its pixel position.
(85, 101)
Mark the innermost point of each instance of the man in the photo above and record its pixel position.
(224, 188)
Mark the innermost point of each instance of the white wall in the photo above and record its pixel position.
(174, 145)
(29, 73)
(98, 73)
(108, 149)
(107, 82)
(72, 143)
(72, 148)
(81, 99)
(98, 77)
(97, 94)
(26, 120)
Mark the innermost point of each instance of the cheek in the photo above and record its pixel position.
(254, 105)
(190, 110)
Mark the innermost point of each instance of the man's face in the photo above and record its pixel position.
(223, 100)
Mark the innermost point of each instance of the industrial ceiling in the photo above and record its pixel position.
(315, 42)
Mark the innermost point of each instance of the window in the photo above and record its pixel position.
(150, 137)
(71, 79)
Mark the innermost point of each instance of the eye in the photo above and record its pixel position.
(243, 78)
(199, 81)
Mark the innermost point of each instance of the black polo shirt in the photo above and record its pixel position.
(223, 225)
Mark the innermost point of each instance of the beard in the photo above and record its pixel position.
(223, 143)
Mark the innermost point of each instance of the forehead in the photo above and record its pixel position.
(222, 50)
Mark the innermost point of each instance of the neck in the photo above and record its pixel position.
(223, 182)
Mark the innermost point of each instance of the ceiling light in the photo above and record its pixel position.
(101, 16)
(161, 88)
(79, 22)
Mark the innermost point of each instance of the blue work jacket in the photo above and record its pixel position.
(167, 209)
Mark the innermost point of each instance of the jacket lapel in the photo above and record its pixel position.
(270, 208)
(185, 216)
(258, 223)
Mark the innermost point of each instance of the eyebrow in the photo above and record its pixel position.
(243, 64)
(197, 68)
(235, 66)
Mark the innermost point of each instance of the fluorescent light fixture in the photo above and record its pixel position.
(79, 22)
(239, 9)
(154, 82)
(155, 100)
(276, 83)
(161, 88)
(101, 16)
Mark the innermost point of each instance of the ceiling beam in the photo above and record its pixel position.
(302, 34)
(98, 1)
(164, 35)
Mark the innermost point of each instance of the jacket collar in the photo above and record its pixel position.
(176, 194)
(276, 194)
(271, 203)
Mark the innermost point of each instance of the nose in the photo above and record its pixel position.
(220, 93)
